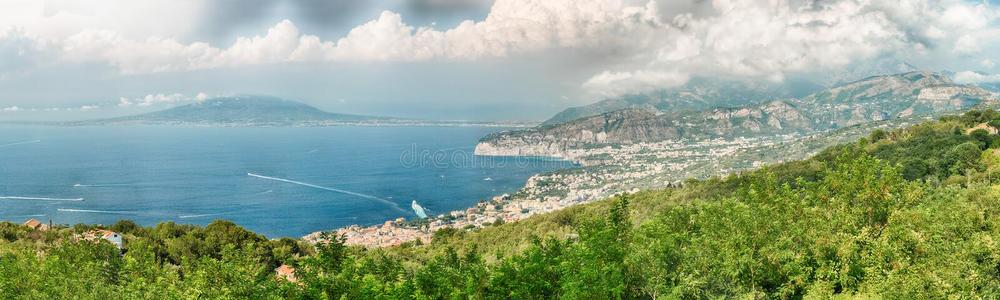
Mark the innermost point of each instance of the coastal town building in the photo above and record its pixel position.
(98, 234)
(36, 225)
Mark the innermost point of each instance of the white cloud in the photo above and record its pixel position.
(513, 26)
(969, 77)
(62, 18)
(769, 39)
(643, 43)
(89, 107)
(613, 83)
(157, 99)
(11, 109)
(967, 44)
(19, 50)
(988, 63)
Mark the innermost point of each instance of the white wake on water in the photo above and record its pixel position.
(39, 198)
(201, 215)
(21, 143)
(383, 201)
(28, 216)
(95, 211)
(99, 185)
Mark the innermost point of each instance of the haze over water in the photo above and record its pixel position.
(275, 181)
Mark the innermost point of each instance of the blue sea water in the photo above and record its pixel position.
(286, 181)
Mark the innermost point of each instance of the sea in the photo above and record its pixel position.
(277, 181)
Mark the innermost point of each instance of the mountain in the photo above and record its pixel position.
(698, 94)
(241, 110)
(875, 98)
(851, 73)
(703, 93)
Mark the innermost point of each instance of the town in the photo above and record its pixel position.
(604, 172)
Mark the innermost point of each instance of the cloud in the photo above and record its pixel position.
(19, 51)
(445, 9)
(642, 43)
(970, 77)
(615, 83)
(513, 26)
(771, 39)
(11, 109)
(432, 6)
(158, 99)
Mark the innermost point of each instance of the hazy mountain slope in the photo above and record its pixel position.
(699, 94)
(236, 110)
(704, 93)
(872, 99)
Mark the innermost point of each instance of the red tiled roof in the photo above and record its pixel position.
(286, 272)
(33, 223)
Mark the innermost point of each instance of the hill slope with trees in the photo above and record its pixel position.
(911, 213)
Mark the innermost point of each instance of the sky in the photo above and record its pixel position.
(457, 59)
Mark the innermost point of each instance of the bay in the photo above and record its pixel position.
(278, 181)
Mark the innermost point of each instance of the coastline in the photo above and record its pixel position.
(605, 171)
(500, 209)
(503, 208)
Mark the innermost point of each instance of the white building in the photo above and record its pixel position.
(108, 235)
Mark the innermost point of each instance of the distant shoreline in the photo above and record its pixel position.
(512, 124)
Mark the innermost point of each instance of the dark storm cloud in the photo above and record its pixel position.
(447, 11)
(697, 8)
(328, 12)
(444, 6)
(225, 19)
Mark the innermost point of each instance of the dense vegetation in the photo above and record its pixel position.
(912, 213)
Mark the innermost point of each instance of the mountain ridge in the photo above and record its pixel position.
(240, 110)
(875, 98)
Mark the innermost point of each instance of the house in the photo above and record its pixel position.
(286, 272)
(108, 235)
(36, 225)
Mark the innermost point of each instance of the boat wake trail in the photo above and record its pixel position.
(29, 216)
(21, 143)
(96, 211)
(370, 197)
(201, 215)
(99, 185)
(39, 198)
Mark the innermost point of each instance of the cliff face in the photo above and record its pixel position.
(872, 99)
(618, 127)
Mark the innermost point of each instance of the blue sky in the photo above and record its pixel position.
(455, 59)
